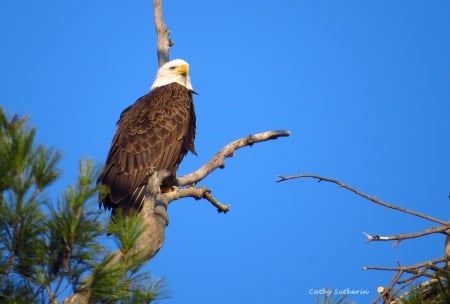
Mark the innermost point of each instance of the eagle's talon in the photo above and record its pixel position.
(167, 189)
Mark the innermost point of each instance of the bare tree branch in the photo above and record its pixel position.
(218, 161)
(411, 268)
(399, 237)
(428, 269)
(194, 192)
(416, 271)
(364, 195)
(155, 205)
(164, 43)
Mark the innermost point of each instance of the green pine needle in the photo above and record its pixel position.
(51, 248)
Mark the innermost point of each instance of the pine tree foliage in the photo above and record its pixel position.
(433, 291)
(51, 249)
(330, 298)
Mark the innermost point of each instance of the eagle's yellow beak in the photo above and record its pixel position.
(183, 69)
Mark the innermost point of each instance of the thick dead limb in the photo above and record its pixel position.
(218, 161)
(164, 43)
(147, 244)
(152, 239)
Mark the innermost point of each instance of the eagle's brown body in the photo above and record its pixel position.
(154, 133)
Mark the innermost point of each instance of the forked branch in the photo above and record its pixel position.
(429, 269)
(217, 161)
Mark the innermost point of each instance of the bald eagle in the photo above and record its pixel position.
(154, 133)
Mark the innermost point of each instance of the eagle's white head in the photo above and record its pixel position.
(176, 70)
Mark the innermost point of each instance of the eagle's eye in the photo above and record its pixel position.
(172, 68)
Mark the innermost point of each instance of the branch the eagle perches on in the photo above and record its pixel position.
(156, 203)
(152, 238)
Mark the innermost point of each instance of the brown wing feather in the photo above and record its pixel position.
(153, 134)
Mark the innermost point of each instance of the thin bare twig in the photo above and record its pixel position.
(409, 268)
(364, 195)
(220, 207)
(387, 294)
(400, 237)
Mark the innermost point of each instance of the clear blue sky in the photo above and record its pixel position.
(364, 86)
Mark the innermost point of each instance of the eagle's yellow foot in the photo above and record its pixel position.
(166, 189)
